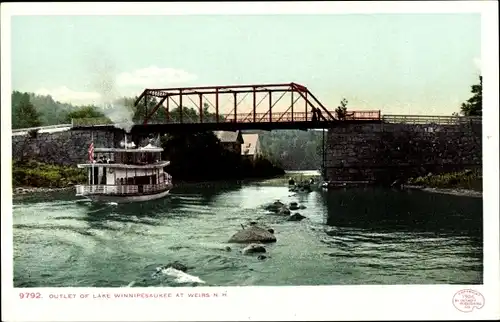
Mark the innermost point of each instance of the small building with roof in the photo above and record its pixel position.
(231, 140)
(250, 148)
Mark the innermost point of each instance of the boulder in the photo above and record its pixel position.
(284, 211)
(294, 206)
(275, 206)
(296, 217)
(253, 234)
(254, 248)
(176, 265)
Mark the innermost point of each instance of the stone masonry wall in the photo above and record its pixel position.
(369, 152)
(386, 152)
(64, 148)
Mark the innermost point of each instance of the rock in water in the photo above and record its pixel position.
(270, 230)
(294, 206)
(302, 207)
(284, 211)
(254, 248)
(181, 277)
(275, 206)
(261, 257)
(296, 217)
(176, 265)
(253, 234)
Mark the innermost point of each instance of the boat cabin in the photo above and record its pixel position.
(127, 170)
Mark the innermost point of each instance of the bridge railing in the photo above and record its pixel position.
(92, 121)
(48, 127)
(265, 117)
(240, 118)
(289, 117)
(431, 119)
(363, 115)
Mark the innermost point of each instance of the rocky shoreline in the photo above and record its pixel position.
(448, 191)
(26, 190)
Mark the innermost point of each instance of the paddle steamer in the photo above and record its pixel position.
(125, 174)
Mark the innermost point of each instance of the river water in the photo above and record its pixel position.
(354, 236)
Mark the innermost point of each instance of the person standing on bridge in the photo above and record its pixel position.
(314, 115)
(319, 115)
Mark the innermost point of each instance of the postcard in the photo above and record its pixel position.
(250, 161)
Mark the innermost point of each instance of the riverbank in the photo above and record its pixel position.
(464, 183)
(454, 192)
(27, 190)
(34, 177)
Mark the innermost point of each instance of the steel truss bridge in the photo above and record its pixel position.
(235, 107)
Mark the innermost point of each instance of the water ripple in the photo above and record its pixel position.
(368, 237)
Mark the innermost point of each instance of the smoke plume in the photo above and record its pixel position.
(111, 105)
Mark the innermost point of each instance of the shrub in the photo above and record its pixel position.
(464, 179)
(37, 174)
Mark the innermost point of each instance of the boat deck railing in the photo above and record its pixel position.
(121, 189)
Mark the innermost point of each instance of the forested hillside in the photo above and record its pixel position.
(30, 110)
(293, 149)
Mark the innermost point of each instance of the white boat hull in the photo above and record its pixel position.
(126, 199)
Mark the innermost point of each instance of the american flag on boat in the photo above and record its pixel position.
(91, 152)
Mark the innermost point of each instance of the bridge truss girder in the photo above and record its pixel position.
(165, 96)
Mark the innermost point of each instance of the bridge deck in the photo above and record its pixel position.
(225, 126)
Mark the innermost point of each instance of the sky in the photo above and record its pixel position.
(396, 63)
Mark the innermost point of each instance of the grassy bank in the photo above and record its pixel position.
(468, 179)
(42, 175)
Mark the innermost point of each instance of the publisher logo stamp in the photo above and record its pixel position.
(468, 300)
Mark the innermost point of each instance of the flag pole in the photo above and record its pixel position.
(92, 160)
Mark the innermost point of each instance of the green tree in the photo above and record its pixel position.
(140, 109)
(474, 105)
(24, 114)
(84, 112)
(341, 110)
(51, 112)
(293, 149)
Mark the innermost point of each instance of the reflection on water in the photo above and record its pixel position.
(375, 209)
(354, 236)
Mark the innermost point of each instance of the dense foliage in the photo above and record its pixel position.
(36, 174)
(201, 156)
(24, 113)
(293, 149)
(474, 105)
(466, 179)
(31, 110)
